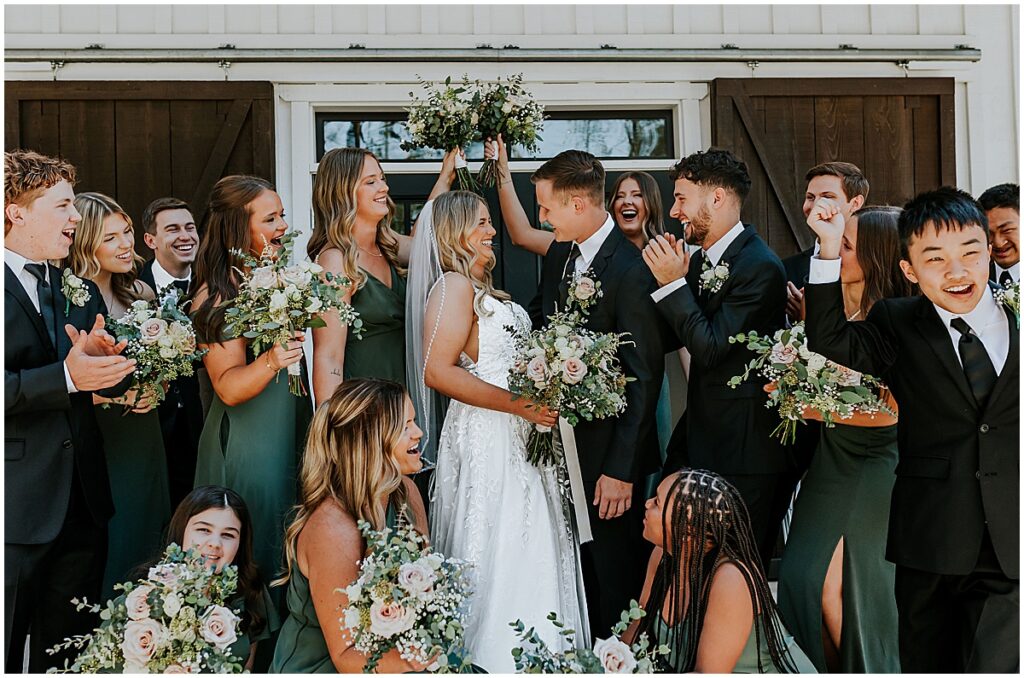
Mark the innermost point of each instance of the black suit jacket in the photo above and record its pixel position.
(798, 267)
(50, 436)
(959, 464)
(625, 447)
(728, 430)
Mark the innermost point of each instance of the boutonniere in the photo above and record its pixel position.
(713, 277)
(584, 290)
(1010, 298)
(74, 289)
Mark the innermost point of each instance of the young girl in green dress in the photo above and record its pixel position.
(362, 443)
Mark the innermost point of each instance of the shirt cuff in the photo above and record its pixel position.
(823, 271)
(659, 294)
(67, 380)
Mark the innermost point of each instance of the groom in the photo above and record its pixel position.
(615, 454)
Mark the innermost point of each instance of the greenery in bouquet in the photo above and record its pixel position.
(161, 339)
(409, 598)
(443, 120)
(803, 380)
(506, 108)
(276, 299)
(176, 620)
(610, 655)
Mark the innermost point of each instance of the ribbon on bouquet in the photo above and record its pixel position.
(576, 491)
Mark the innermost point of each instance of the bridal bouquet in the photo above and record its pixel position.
(410, 598)
(176, 620)
(804, 380)
(443, 120)
(161, 340)
(610, 655)
(277, 299)
(506, 108)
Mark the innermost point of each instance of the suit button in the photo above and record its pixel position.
(66, 444)
(977, 474)
(983, 428)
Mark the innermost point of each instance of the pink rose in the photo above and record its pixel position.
(141, 640)
(219, 624)
(152, 330)
(784, 354)
(615, 656)
(136, 602)
(573, 371)
(537, 369)
(176, 668)
(585, 288)
(165, 574)
(389, 619)
(848, 377)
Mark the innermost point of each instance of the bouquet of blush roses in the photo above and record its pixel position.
(443, 120)
(276, 299)
(410, 598)
(802, 381)
(610, 655)
(568, 368)
(160, 339)
(176, 620)
(506, 108)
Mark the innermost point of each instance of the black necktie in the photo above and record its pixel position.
(181, 285)
(1005, 279)
(981, 375)
(567, 275)
(45, 293)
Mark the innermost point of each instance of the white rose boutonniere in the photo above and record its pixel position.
(74, 289)
(713, 277)
(1010, 298)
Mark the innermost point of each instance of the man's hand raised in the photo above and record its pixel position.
(92, 373)
(99, 342)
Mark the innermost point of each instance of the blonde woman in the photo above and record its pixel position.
(352, 237)
(490, 506)
(104, 252)
(362, 443)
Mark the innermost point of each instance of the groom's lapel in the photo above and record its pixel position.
(604, 255)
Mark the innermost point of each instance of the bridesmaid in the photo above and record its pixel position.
(836, 590)
(361, 443)
(255, 427)
(104, 252)
(706, 596)
(352, 237)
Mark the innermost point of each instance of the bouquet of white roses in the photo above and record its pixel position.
(176, 620)
(161, 340)
(610, 655)
(410, 598)
(803, 380)
(443, 120)
(506, 108)
(277, 299)
(568, 368)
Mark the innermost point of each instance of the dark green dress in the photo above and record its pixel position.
(846, 493)
(254, 449)
(137, 467)
(301, 646)
(241, 647)
(381, 350)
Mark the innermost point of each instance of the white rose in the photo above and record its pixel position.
(351, 618)
(804, 352)
(537, 370)
(296, 275)
(278, 301)
(152, 329)
(312, 267)
(416, 578)
(168, 353)
(172, 604)
(562, 330)
(263, 277)
(434, 560)
(721, 271)
(573, 371)
(615, 656)
(141, 639)
(506, 107)
(585, 288)
(848, 377)
(314, 305)
(137, 604)
(219, 626)
(783, 353)
(164, 574)
(293, 292)
(389, 619)
(815, 363)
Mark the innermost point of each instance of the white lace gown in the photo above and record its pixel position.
(493, 508)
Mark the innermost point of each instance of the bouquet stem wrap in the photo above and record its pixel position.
(572, 467)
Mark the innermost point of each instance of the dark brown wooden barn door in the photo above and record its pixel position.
(138, 141)
(899, 131)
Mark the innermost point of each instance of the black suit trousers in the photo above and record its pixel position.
(959, 623)
(41, 579)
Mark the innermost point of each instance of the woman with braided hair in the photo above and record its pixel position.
(705, 595)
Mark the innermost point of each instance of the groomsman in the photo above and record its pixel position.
(170, 231)
(1002, 209)
(615, 454)
(56, 493)
(734, 283)
(951, 359)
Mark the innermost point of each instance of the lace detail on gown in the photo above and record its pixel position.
(491, 507)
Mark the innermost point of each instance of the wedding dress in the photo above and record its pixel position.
(493, 508)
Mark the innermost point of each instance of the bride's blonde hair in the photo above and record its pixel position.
(349, 457)
(455, 216)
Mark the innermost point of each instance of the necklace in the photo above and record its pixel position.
(379, 254)
(854, 316)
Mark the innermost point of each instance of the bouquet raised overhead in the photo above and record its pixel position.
(444, 119)
(506, 108)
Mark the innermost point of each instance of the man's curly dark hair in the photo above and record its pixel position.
(715, 167)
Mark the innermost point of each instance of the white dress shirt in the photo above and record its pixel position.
(163, 279)
(988, 320)
(712, 254)
(30, 283)
(1014, 271)
(592, 245)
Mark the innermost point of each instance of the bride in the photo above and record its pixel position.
(488, 505)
